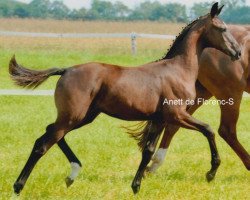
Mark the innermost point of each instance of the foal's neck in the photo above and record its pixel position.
(190, 52)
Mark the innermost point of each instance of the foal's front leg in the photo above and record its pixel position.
(153, 137)
(170, 130)
(185, 120)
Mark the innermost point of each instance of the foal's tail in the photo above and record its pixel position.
(30, 78)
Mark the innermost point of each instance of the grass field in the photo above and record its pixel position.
(110, 158)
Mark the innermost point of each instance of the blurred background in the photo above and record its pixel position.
(236, 11)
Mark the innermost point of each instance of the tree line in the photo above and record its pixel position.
(235, 11)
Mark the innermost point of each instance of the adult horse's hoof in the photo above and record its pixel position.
(69, 181)
(147, 172)
(135, 188)
(18, 188)
(210, 176)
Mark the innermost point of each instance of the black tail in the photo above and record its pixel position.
(140, 132)
(30, 78)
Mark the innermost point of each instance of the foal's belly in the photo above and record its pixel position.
(133, 116)
(130, 105)
(130, 113)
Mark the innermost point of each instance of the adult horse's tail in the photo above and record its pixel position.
(30, 78)
(140, 132)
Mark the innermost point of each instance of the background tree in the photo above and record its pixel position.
(238, 15)
(21, 10)
(10, 8)
(121, 10)
(235, 11)
(101, 10)
(156, 11)
(199, 9)
(175, 12)
(39, 8)
(77, 14)
(58, 10)
(145, 11)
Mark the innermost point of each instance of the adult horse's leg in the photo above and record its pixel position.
(170, 131)
(185, 120)
(160, 154)
(155, 130)
(227, 130)
(54, 132)
(74, 161)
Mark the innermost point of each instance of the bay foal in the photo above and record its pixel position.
(219, 77)
(84, 91)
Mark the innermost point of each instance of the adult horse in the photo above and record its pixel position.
(219, 77)
(86, 90)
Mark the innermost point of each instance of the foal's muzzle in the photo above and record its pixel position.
(236, 55)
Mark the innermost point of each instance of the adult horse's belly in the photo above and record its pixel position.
(248, 85)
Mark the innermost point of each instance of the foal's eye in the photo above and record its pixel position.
(223, 30)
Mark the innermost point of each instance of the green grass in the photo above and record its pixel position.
(110, 158)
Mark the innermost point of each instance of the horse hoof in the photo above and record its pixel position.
(69, 181)
(209, 176)
(147, 172)
(18, 188)
(136, 188)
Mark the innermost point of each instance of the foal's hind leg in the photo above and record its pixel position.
(54, 133)
(153, 137)
(185, 120)
(74, 161)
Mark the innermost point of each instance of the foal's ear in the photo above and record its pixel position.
(214, 10)
(219, 10)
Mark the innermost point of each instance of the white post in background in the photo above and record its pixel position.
(133, 43)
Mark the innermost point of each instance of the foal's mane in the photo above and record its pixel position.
(174, 47)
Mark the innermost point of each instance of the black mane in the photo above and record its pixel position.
(173, 49)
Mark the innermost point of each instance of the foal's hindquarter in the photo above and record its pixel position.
(129, 93)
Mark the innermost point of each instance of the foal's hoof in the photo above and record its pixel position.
(135, 188)
(69, 181)
(210, 176)
(18, 188)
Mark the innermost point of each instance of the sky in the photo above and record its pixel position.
(77, 4)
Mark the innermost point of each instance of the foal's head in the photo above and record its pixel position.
(216, 34)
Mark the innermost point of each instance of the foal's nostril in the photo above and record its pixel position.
(239, 54)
